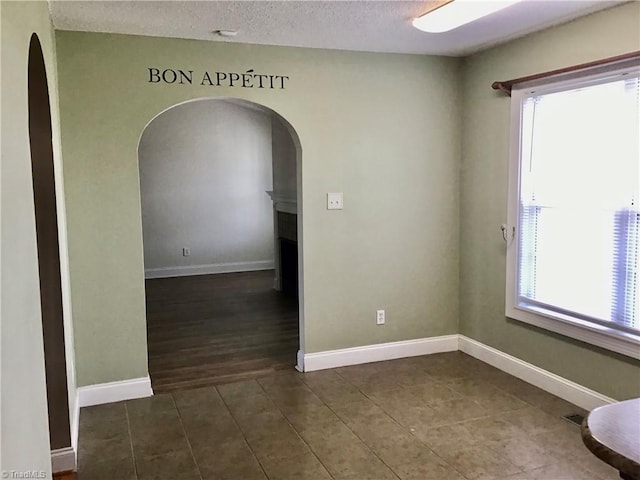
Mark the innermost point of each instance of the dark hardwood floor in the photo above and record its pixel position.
(214, 329)
(64, 476)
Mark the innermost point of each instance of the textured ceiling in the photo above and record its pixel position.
(374, 26)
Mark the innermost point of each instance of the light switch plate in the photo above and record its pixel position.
(334, 201)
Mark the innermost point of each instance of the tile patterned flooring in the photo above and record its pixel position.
(441, 417)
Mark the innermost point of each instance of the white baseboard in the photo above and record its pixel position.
(63, 460)
(379, 352)
(300, 361)
(550, 382)
(66, 459)
(231, 267)
(114, 391)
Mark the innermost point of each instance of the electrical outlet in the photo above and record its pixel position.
(380, 317)
(334, 201)
(186, 252)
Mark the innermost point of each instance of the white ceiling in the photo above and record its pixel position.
(374, 26)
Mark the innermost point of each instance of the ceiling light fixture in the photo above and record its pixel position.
(458, 12)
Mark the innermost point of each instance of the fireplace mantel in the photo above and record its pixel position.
(283, 203)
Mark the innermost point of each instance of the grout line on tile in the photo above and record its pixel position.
(358, 436)
(407, 429)
(240, 429)
(284, 415)
(186, 436)
(133, 453)
(300, 436)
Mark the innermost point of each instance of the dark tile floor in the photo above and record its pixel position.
(441, 417)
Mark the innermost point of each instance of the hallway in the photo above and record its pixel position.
(212, 329)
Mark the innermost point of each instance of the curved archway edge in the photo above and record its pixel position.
(299, 207)
(48, 246)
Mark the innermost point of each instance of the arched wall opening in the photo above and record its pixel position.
(220, 187)
(46, 219)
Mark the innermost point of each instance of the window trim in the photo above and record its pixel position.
(622, 342)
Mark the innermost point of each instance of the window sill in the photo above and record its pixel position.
(620, 342)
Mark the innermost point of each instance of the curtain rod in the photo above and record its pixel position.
(507, 85)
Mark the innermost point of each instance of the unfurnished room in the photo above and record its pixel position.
(309, 240)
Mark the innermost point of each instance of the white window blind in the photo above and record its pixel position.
(579, 193)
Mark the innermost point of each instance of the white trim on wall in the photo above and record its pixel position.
(66, 459)
(231, 267)
(300, 361)
(550, 382)
(114, 391)
(63, 460)
(75, 425)
(379, 352)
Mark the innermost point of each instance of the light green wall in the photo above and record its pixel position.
(383, 129)
(484, 192)
(23, 405)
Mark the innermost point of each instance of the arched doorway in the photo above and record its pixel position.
(220, 183)
(44, 196)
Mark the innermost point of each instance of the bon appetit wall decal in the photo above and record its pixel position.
(246, 79)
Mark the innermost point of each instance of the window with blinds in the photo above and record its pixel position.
(576, 204)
